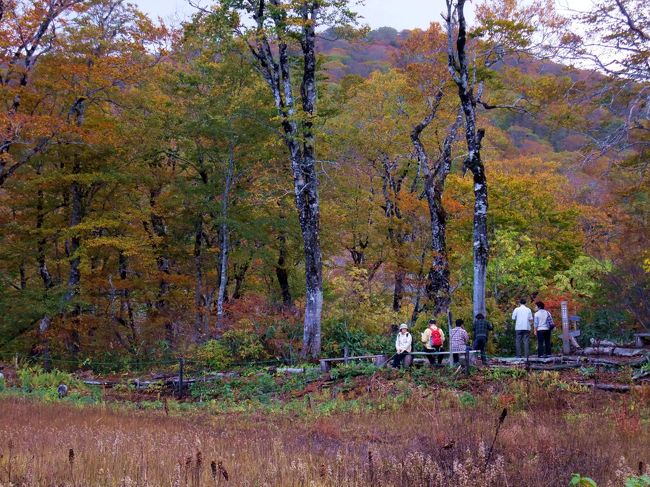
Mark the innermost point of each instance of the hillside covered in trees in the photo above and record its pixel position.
(295, 184)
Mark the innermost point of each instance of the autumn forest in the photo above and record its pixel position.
(275, 181)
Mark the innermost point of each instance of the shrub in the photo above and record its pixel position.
(260, 387)
(35, 379)
(338, 335)
(578, 480)
(212, 390)
(467, 400)
(641, 481)
(244, 344)
(214, 355)
(353, 370)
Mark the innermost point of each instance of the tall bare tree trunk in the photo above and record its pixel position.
(459, 69)
(126, 308)
(434, 185)
(77, 111)
(199, 332)
(159, 230)
(299, 139)
(225, 236)
(45, 322)
(281, 271)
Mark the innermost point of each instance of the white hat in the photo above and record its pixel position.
(403, 326)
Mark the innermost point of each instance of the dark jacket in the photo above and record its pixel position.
(481, 328)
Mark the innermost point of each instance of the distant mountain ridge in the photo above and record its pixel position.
(377, 51)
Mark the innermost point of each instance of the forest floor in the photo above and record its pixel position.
(358, 426)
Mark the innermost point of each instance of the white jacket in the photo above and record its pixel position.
(403, 342)
(542, 320)
(522, 316)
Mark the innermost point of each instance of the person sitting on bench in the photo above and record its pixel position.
(433, 338)
(459, 339)
(403, 344)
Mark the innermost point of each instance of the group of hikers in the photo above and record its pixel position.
(433, 337)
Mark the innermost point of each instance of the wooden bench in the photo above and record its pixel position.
(638, 339)
(326, 363)
(408, 360)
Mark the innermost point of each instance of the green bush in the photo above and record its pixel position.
(641, 481)
(217, 389)
(467, 400)
(35, 378)
(261, 387)
(353, 370)
(578, 480)
(338, 335)
(214, 355)
(244, 345)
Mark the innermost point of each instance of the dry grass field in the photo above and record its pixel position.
(432, 440)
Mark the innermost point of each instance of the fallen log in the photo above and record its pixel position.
(291, 370)
(595, 342)
(613, 351)
(608, 387)
(555, 367)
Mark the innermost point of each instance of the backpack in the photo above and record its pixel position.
(436, 338)
(551, 323)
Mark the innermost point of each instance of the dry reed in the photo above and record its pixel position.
(411, 446)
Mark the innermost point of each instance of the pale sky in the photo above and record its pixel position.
(400, 14)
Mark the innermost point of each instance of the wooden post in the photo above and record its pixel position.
(346, 354)
(324, 366)
(380, 360)
(566, 340)
(449, 318)
(467, 355)
(181, 366)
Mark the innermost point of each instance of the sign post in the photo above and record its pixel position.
(566, 340)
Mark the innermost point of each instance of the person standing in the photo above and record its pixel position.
(459, 339)
(433, 338)
(403, 344)
(481, 329)
(543, 323)
(523, 317)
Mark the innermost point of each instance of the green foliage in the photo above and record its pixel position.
(422, 376)
(467, 400)
(214, 354)
(498, 374)
(338, 335)
(603, 323)
(588, 372)
(515, 266)
(584, 277)
(35, 378)
(578, 480)
(261, 387)
(640, 481)
(244, 344)
(345, 371)
(217, 389)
